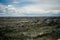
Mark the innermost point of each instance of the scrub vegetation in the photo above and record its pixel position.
(29, 28)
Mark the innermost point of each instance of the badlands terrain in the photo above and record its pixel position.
(29, 28)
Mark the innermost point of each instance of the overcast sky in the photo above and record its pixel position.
(29, 7)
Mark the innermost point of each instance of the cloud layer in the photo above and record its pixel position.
(30, 7)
